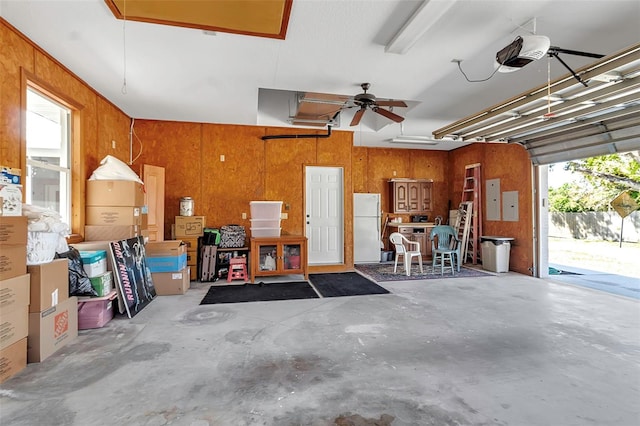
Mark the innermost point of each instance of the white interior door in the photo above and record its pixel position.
(324, 213)
(153, 178)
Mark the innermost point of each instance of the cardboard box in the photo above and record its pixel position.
(114, 193)
(171, 283)
(103, 284)
(52, 329)
(167, 263)
(110, 233)
(13, 230)
(14, 325)
(95, 312)
(192, 258)
(165, 248)
(190, 242)
(11, 199)
(10, 175)
(193, 272)
(189, 226)
(49, 284)
(166, 256)
(94, 262)
(113, 215)
(13, 359)
(14, 293)
(13, 261)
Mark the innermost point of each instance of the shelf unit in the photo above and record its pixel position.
(282, 255)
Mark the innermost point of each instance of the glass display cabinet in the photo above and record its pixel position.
(282, 255)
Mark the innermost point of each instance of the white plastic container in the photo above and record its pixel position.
(41, 247)
(265, 209)
(265, 232)
(265, 223)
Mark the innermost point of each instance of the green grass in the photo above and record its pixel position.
(602, 256)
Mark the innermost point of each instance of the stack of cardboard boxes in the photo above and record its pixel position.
(96, 312)
(115, 210)
(53, 315)
(167, 261)
(188, 229)
(14, 295)
(37, 316)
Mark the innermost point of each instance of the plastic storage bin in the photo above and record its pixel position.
(265, 232)
(495, 253)
(265, 223)
(265, 209)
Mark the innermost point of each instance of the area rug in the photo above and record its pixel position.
(259, 292)
(381, 272)
(345, 284)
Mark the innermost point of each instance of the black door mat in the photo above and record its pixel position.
(259, 292)
(345, 284)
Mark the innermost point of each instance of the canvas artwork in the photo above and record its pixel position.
(135, 286)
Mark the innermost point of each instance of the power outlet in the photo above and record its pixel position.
(244, 215)
(284, 215)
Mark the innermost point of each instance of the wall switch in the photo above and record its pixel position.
(244, 215)
(113, 144)
(284, 215)
(222, 158)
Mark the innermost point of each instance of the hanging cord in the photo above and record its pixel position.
(132, 134)
(475, 81)
(124, 49)
(549, 114)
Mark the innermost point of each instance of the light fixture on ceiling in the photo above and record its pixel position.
(422, 140)
(427, 14)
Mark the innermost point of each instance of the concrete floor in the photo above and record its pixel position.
(500, 350)
(603, 281)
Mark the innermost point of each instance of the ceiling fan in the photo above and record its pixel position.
(368, 100)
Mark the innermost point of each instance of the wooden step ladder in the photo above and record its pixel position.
(472, 193)
(462, 225)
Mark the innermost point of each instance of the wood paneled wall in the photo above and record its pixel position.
(254, 169)
(511, 164)
(100, 121)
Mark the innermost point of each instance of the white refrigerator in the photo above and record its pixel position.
(366, 228)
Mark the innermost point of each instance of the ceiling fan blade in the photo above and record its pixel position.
(357, 117)
(391, 103)
(388, 114)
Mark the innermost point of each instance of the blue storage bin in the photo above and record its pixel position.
(167, 263)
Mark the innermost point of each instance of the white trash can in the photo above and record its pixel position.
(495, 253)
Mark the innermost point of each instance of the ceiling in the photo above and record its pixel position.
(330, 47)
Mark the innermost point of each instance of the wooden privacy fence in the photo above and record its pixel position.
(595, 226)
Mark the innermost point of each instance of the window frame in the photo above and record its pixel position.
(31, 81)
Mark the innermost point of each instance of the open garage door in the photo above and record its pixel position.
(594, 112)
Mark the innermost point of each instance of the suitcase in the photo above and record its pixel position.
(209, 254)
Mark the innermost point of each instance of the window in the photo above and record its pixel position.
(48, 151)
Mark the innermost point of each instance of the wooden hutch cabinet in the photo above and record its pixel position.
(282, 255)
(410, 195)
